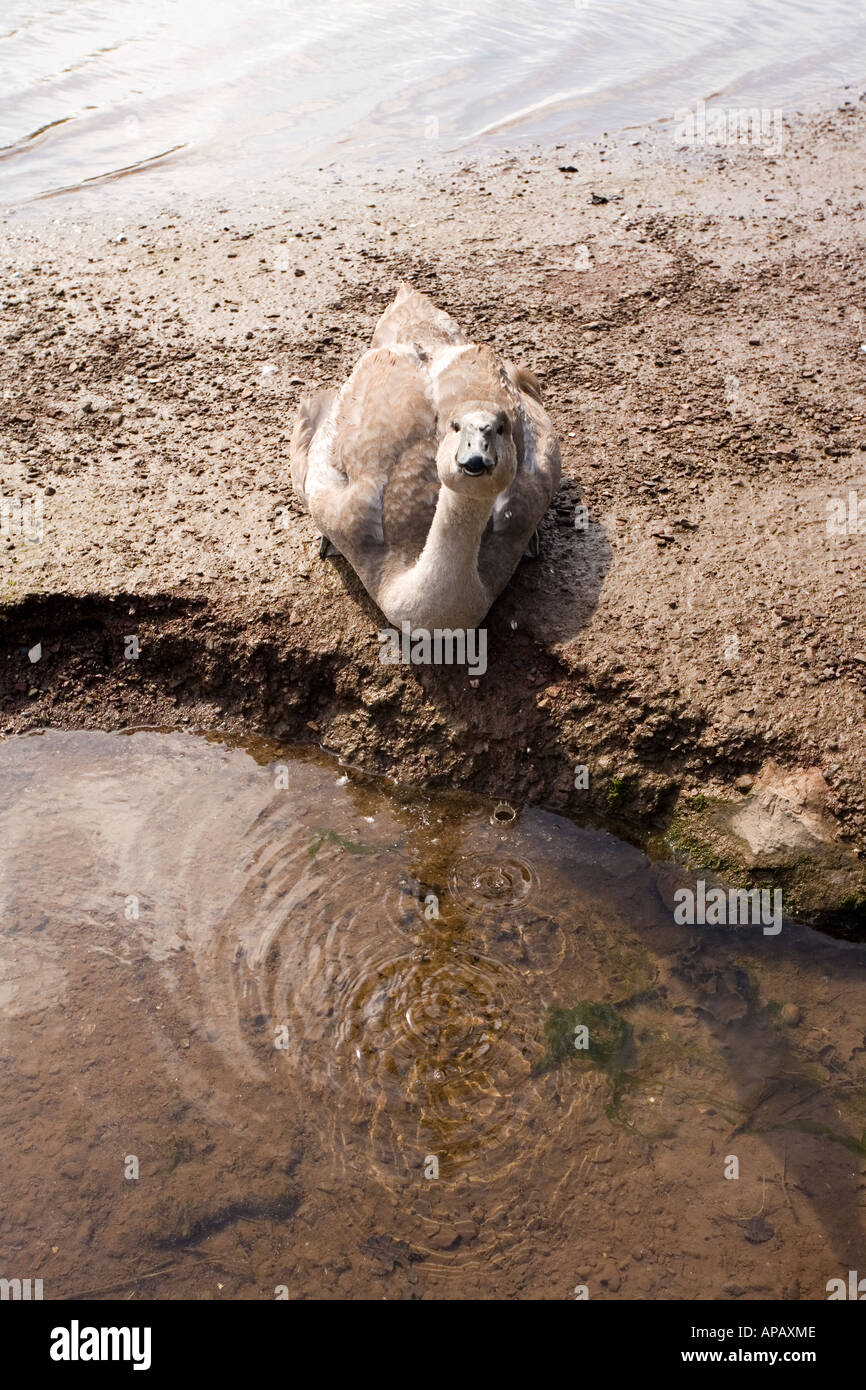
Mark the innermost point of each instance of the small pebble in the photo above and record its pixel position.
(791, 1015)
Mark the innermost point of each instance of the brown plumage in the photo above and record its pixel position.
(371, 463)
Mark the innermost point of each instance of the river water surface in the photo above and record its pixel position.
(270, 1028)
(220, 98)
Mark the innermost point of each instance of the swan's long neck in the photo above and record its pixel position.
(443, 588)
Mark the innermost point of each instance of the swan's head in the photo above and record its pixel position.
(477, 456)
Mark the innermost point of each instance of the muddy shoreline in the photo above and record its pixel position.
(698, 336)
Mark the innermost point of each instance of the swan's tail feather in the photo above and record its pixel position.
(413, 319)
(526, 381)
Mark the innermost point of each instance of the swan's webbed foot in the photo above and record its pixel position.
(326, 549)
(533, 549)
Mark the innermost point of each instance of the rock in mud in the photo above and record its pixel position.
(782, 830)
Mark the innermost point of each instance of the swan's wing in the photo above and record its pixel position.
(410, 502)
(519, 511)
(371, 479)
(414, 320)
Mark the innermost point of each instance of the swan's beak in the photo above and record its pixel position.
(473, 451)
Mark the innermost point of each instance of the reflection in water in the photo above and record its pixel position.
(195, 96)
(323, 1020)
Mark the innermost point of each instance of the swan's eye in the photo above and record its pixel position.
(455, 424)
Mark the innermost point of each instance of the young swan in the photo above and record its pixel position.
(430, 469)
(476, 462)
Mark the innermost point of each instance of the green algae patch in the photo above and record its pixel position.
(330, 837)
(619, 790)
(591, 1034)
(694, 839)
(816, 1127)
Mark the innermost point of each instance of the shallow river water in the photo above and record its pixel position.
(270, 1028)
(159, 100)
